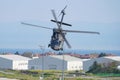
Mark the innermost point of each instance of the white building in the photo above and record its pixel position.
(101, 60)
(14, 62)
(55, 62)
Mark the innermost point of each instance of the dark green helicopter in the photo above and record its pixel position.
(58, 37)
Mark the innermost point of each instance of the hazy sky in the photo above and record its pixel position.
(87, 15)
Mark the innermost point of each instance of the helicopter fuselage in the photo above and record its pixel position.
(57, 40)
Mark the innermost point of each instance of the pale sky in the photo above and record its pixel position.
(86, 15)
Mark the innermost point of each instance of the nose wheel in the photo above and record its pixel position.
(49, 45)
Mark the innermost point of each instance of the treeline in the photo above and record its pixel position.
(103, 68)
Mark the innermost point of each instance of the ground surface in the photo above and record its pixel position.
(49, 75)
(7, 79)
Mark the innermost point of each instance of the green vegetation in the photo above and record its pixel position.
(102, 55)
(50, 75)
(30, 74)
(35, 74)
(18, 75)
(107, 75)
(102, 68)
(78, 79)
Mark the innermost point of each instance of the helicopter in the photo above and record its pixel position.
(58, 37)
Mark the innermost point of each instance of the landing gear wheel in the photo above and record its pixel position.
(49, 45)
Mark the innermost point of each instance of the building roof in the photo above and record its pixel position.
(66, 57)
(14, 57)
(115, 58)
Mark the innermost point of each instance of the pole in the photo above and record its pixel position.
(42, 48)
(63, 67)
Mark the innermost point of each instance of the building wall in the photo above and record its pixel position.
(55, 64)
(34, 64)
(5, 63)
(20, 65)
(75, 65)
(49, 64)
(88, 63)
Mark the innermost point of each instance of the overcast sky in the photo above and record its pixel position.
(88, 15)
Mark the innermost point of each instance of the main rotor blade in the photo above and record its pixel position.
(35, 25)
(69, 46)
(75, 31)
(54, 15)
